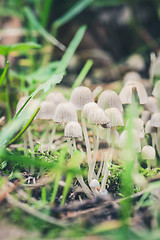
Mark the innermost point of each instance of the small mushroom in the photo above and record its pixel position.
(148, 153)
(81, 96)
(94, 185)
(126, 94)
(108, 99)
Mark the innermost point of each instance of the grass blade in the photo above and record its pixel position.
(72, 12)
(71, 50)
(4, 72)
(38, 27)
(82, 74)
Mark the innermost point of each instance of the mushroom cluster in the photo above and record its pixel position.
(100, 116)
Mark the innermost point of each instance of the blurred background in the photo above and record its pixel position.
(119, 38)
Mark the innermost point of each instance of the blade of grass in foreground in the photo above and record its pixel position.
(82, 74)
(71, 50)
(4, 73)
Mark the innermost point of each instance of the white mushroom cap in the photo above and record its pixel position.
(136, 62)
(80, 96)
(65, 112)
(155, 120)
(115, 117)
(46, 111)
(94, 183)
(87, 107)
(146, 115)
(131, 76)
(98, 116)
(108, 99)
(127, 91)
(152, 105)
(73, 130)
(149, 128)
(138, 124)
(97, 91)
(148, 152)
(103, 193)
(56, 97)
(156, 90)
(124, 139)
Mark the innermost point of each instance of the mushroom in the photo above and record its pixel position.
(65, 112)
(151, 105)
(136, 62)
(94, 185)
(56, 98)
(46, 112)
(98, 117)
(96, 92)
(131, 76)
(126, 94)
(72, 131)
(81, 96)
(156, 90)
(148, 153)
(146, 115)
(108, 99)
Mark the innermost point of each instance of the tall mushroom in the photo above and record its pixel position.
(72, 131)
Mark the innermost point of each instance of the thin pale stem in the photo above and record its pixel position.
(79, 177)
(95, 150)
(52, 134)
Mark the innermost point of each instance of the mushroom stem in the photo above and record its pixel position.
(47, 132)
(95, 151)
(100, 168)
(153, 136)
(88, 148)
(79, 177)
(107, 163)
(52, 134)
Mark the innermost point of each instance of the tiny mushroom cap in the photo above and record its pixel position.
(148, 152)
(131, 76)
(80, 96)
(149, 128)
(87, 107)
(138, 124)
(124, 139)
(136, 62)
(98, 116)
(65, 112)
(156, 90)
(146, 115)
(108, 99)
(127, 91)
(46, 111)
(155, 120)
(103, 193)
(97, 91)
(73, 130)
(115, 117)
(56, 97)
(151, 105)
(94, 183)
